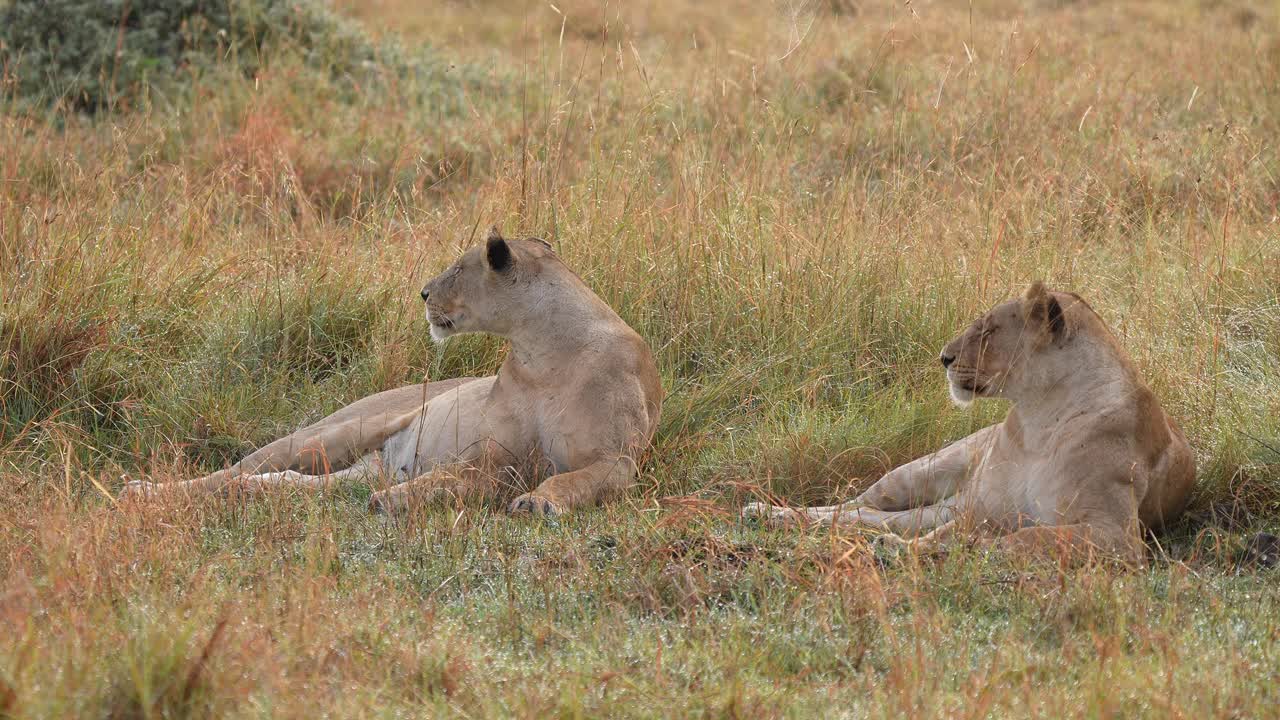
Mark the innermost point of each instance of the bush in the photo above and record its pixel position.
(98, 54)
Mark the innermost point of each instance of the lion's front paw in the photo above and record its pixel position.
(891, 541)
(387, 502)
(241, 488)
(401, 499)
(889, 545)
(136, 490)
(772, 515)
(536, 505)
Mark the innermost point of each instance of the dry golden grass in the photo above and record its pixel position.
(796, 204)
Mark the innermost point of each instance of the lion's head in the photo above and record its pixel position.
(999, 353)
(483, 289)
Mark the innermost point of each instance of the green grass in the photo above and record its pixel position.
(625, 612)
(796, 214)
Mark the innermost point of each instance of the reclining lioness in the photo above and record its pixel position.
(1084, 456)
(576, 401)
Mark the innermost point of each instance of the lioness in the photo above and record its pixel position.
(576, 401)
(1084, 455)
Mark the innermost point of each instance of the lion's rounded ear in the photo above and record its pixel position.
(497, 253)
(1043, 308)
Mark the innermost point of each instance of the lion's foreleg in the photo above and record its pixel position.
(783, 516)
(906, 522)
(458, 482)
(913, 522)
(928, 543)
(930, 479)
(366, 469)
(920, 484)
(288, 454)
(587, 486)
(313, 452)
(1076, 543)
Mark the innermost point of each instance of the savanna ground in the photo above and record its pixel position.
(796, 203)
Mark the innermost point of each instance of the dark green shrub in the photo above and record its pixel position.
(97, 54)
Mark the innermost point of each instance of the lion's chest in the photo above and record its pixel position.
(553, 430)
(1010, 489)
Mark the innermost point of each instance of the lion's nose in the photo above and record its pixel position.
(425, 294)
(947, 359)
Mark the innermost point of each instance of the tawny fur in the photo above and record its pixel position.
(1085, 457)
(572, 408)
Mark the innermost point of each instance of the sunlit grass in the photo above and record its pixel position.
(796, 204)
